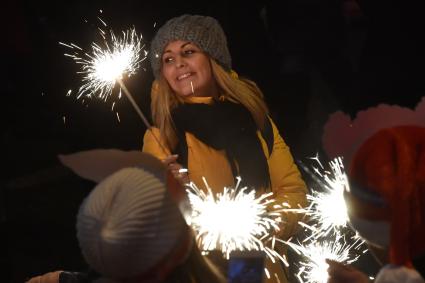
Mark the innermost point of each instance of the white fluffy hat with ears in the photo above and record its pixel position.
(129, 223)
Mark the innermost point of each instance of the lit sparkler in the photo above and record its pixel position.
(327, 207)
(234, 220)
(104, 67)
(314, 269)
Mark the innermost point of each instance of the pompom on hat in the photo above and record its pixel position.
(391, 164)
(130, 227)
(203, 31)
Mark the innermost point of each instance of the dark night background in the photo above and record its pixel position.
(310, 57)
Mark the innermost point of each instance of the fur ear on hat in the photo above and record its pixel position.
(391, 163)
(95, 165)
(343, 135)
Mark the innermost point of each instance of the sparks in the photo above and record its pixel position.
(314, 268)
(103, 67)
(233, 220)
(327, 207)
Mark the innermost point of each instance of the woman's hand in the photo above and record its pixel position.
(341, 273)
(178, 171)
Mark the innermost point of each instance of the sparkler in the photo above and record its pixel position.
(234, 220)
(104, 67)
(327, 208)
(328, 213)
(314, 270)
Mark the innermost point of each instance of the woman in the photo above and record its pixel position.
(215, 123)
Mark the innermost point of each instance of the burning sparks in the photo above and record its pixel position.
(314, 269)
(233, 220)
(105, 66)
(327, 225)
(327, 207)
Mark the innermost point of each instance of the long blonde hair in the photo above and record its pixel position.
(231, 87)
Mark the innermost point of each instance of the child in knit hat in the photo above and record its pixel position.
(130, 229)
(214, 123)
(386, 205)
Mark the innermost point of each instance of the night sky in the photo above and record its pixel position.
(310, 57)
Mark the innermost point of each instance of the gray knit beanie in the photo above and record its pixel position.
(203, 31)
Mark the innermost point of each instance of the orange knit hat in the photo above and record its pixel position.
(391, 163)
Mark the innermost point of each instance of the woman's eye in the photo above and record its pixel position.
(188, 52)
(168, 60)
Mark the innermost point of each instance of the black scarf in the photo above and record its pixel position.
(229, 126)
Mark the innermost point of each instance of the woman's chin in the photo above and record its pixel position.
(185, 94)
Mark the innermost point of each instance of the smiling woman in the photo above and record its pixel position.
(215, 122)
(186, 68)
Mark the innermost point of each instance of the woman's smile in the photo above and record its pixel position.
(184, 76)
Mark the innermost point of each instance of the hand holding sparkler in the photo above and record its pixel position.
(179, 173)
(314, 269)
(342, 273)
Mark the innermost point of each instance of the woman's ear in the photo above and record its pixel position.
(97, 164)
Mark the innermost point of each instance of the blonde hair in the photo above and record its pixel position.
(231, 87)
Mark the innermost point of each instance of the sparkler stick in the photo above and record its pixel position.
(139, 112)
(136, 107)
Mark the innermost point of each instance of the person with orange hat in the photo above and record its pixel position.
(386, 205)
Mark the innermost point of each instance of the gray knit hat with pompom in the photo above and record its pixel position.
(203, 31)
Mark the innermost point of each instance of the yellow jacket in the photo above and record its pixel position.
(204, 161)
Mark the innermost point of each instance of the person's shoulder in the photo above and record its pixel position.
(152, 131)
(395, 274)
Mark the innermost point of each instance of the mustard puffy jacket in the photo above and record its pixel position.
(204, 161)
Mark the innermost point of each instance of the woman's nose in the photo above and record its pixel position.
(180, 62)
